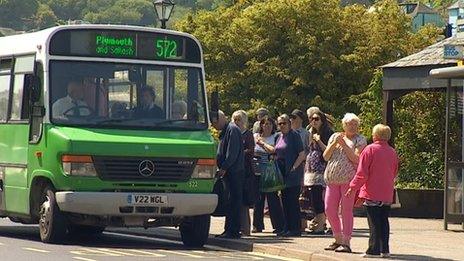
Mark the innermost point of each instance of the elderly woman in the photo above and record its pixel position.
(240, 118)
(265, 142)
(179, 110)
(342, 156)
(312, 195)
(377, 170)
(290, 155)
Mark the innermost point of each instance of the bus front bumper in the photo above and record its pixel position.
(136, 204)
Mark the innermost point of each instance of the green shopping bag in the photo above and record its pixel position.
(271, 178)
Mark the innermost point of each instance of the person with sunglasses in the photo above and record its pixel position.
(290, 154)
(314, 185)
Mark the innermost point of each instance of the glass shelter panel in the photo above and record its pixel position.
(455, 188)
(456, 131)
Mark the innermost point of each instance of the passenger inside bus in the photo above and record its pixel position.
(72, 104)
(148, 108)
(179, 110)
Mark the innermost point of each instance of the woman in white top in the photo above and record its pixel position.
(265, 141)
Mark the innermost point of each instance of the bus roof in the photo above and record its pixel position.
(31, 42)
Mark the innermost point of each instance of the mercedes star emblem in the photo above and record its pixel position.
(146, 168)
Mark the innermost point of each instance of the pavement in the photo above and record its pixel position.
(410, 239)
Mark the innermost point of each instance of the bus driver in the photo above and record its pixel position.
(72, 104)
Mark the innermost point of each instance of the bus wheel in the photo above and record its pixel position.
(83, 230)
(195, 230)
(52, 223)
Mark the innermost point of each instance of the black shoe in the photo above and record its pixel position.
(343, 249)
(292, 234)
(221, 235)
(229, 236)
(316, 232)
(255, 230)
(277, 231)
(281, 233)
(333, 246)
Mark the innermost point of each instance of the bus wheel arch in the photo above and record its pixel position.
(37, 186)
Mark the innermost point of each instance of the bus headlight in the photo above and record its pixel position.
(78, 166)
(205, 169)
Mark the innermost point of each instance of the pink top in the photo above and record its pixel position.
(377, 169)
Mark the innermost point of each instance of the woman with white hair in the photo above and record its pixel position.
(240, 118)
(342, 156)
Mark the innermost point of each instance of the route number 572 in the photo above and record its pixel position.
(166, 48)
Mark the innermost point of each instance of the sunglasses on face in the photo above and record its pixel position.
(315, 119)
(282, 123)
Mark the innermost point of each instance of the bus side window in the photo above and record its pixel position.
(5, 80)
(20, 97)
(35, 131)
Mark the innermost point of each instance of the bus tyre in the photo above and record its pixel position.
(195, 230)
(52, 223)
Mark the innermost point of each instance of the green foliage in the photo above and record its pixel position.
(136, 12)
(282, 56)
(17, 14)
(45, 17)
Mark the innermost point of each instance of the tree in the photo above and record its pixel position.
(17, 14)
(137, 12)
(45, 17)
(282, 56)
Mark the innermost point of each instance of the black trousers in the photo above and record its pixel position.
(291, 208)
(275, 211)
(235, 180)
(317, 201)
(379, 229)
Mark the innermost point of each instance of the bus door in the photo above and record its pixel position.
(14, 132)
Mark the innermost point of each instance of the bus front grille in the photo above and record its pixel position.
(143, 169)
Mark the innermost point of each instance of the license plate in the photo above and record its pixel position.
(147, 200)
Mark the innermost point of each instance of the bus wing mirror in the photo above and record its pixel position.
(33, 85)
(38, 111)
(214, 106)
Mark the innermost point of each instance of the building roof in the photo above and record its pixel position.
(457, 4)
(432, 55)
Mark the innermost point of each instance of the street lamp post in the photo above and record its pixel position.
(163, 10)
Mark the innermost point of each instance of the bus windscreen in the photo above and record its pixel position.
(125, 44)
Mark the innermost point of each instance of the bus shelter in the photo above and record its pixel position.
(412, 73)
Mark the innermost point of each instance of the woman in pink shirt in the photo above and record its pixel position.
(375, 176)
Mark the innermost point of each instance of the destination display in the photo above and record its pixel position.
(125, 44)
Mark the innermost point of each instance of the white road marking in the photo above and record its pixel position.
(116, 252)
(180, 253)
(83, 258)
(146, 253)
(36, 250)
(92, 252)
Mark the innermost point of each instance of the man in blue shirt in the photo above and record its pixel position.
(230, 161)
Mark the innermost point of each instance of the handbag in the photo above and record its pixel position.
(271, 178)
(222, 190)
(396, 200)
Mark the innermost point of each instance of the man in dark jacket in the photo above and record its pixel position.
(230, 161)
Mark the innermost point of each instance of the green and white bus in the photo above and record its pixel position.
(105, 125)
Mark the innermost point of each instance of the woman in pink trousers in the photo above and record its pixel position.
(342, 156)
(377, 170)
